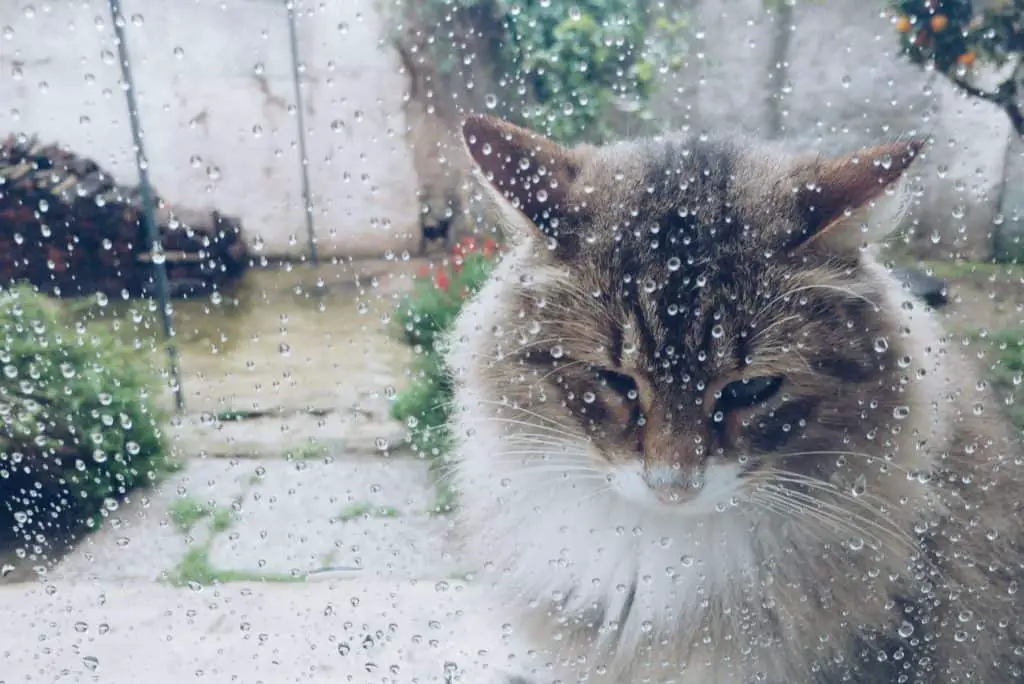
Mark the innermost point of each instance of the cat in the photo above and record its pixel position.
(702, 435)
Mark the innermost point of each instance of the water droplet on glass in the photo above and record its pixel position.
(860, 486)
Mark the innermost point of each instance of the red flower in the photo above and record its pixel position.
(442, 281)
(490, 247)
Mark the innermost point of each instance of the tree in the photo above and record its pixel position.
(954, 37)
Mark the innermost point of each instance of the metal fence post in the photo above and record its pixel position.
(307, 199)
(148, 210)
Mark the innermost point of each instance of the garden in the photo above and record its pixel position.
(309, 466)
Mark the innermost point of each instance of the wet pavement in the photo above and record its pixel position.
(298, 542)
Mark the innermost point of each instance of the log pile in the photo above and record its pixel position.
(69, 229)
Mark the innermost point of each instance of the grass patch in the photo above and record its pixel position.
(228, 415)
(966, 270)
(196, 569)
(1006, 368)
(306, 452)
(186, 512)
(364, 509)
(444, 499)
(221, 520)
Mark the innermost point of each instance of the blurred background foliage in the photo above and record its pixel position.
(80, 423)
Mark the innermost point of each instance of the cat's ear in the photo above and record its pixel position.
(529, 171)
(858, 199)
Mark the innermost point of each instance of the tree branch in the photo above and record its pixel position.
(1004, 97)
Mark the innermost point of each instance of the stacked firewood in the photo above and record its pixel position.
(68, 228)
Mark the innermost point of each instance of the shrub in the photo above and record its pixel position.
(79, 429)
(424, 317)
(576, 71)
(953, 36)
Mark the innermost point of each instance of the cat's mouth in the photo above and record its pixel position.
(715, 487)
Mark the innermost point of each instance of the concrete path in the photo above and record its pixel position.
(317, 633)
(300, 542)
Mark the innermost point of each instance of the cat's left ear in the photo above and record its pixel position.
(858, 199)
(531, 173)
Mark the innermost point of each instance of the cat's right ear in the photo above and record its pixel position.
(528, 171)
(855, 200)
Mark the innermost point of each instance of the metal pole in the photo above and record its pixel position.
(304, 159)
(148, 211)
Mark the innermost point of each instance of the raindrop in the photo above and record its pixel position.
(860, 485)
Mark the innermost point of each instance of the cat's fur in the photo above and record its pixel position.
(862, 524)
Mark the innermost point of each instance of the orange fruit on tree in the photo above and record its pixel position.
(939, 22)
(903, 24)
(968, 58)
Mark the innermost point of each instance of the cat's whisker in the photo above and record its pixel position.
(789, 514)
(522, 423)
(774, 324)
(881, 525)
(814, 286)
(859, 454)
(561, 367)
(528, 412)
(863, 500)
(800, 510)
(847, 521)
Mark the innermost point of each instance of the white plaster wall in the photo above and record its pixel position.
(217, 106)
(846, 86)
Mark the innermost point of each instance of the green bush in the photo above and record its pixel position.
(576, 71)
(79, 425)
(424, 317)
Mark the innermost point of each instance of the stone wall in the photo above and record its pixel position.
(217, 104)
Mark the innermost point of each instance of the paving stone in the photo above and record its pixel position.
(316, 633)
(338, 433)
(139, 540)
(292, 520)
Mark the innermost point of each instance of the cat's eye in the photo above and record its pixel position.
(748, 392)
(620, 383)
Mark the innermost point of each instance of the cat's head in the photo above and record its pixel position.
(686, 317)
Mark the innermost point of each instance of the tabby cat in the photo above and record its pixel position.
(704, 436)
